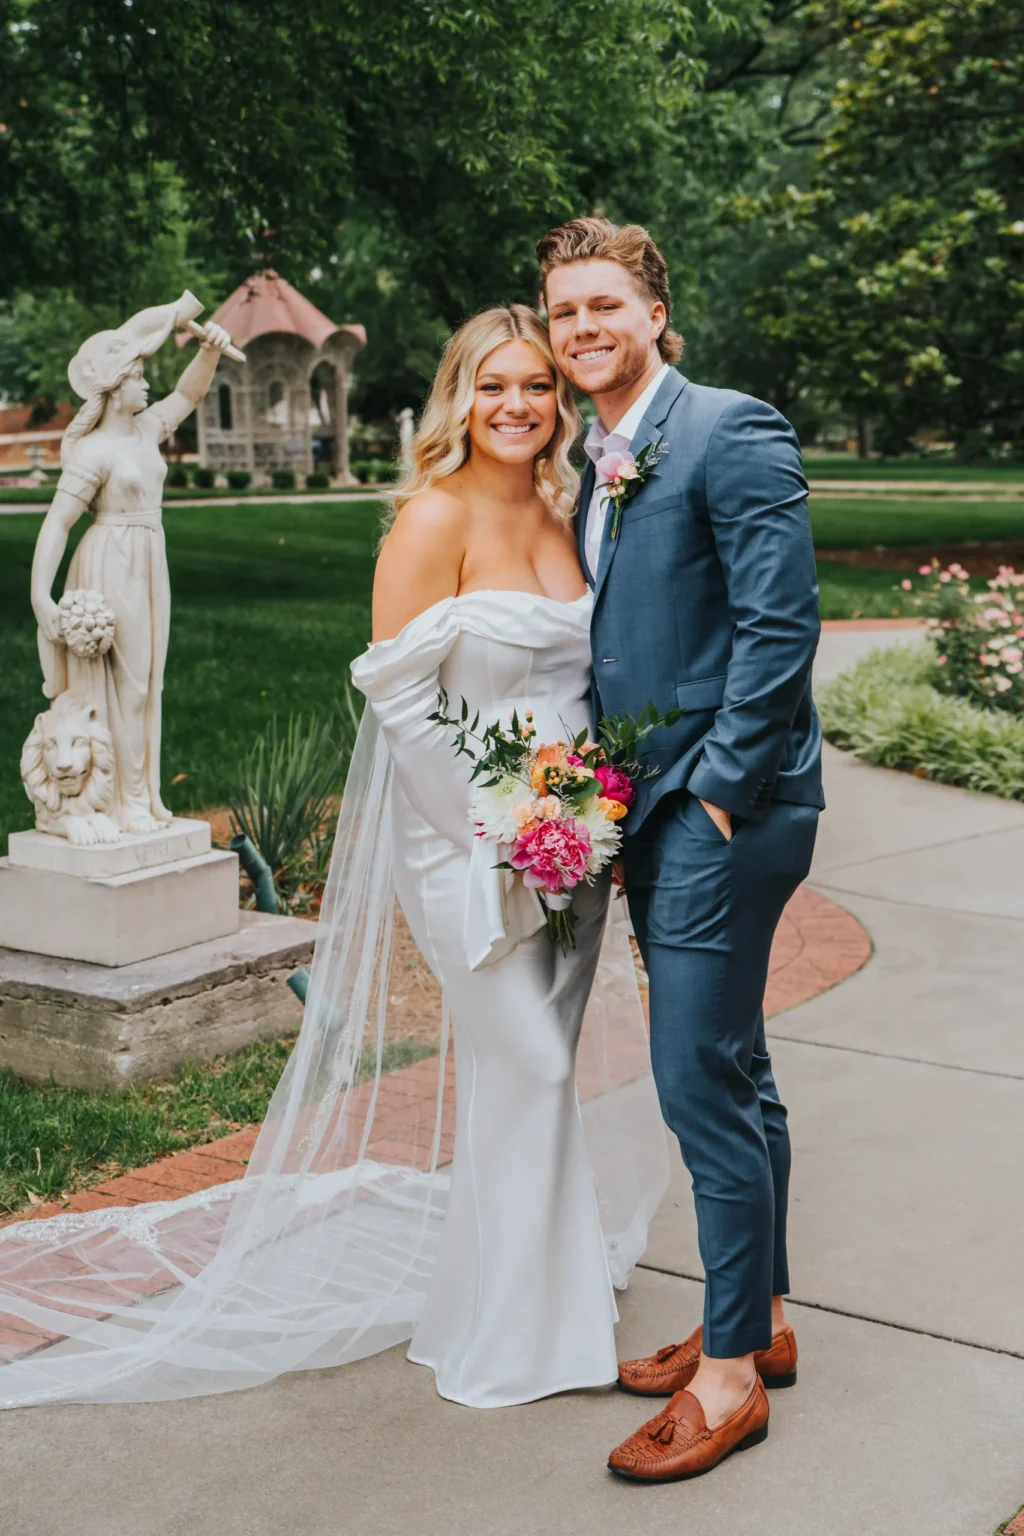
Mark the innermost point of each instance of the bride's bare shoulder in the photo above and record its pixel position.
(428, 515)
(420, 560)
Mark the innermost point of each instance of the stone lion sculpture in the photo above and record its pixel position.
(67, 767)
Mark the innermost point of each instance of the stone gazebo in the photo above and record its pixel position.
(286, 406)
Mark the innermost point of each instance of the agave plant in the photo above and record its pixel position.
(285, 800)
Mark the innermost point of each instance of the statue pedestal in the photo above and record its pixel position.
(183, 839)
(94, 1027)
(119, 903)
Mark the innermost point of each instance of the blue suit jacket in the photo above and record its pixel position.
(708, 600)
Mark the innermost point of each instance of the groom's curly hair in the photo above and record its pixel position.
(628, 244)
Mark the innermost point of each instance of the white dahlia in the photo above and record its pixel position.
(494, 810)
(605, 836)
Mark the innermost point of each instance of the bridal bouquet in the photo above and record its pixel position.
(552, 809)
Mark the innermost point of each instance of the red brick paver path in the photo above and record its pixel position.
(817, 945)
(855, 624)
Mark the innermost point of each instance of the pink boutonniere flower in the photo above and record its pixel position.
(624, 475)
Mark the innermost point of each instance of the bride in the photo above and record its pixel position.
(349, 1234)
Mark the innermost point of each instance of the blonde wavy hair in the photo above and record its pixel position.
(441, 446)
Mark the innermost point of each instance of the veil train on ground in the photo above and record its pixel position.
(323, 1252)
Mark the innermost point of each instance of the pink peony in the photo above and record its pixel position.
(616, 785)
(553, 856)
(611, 465)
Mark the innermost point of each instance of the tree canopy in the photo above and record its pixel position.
(902, 258)
(837, 186)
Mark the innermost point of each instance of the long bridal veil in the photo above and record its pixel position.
(323, 1252)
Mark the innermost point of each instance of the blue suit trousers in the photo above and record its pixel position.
(705, 910)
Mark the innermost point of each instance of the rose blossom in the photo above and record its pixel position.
(552, 857)
(908, 586)
(924, 570)
(615, 784)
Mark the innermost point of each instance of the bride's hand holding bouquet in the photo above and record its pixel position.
(553, 808)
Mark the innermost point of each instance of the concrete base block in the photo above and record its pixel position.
(183, 839)
(117, 920)
(94, 1027)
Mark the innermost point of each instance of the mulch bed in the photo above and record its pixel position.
(980, 558)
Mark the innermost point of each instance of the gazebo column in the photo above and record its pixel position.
(342, 471)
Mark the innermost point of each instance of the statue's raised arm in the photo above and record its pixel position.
(105, 643)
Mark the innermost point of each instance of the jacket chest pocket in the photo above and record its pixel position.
(701, 693)
(640, 507)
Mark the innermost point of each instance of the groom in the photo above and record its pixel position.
(704, 599)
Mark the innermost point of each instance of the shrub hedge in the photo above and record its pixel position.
(886, 710)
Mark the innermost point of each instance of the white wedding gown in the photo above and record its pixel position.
(348, 1233)
(521, 1303)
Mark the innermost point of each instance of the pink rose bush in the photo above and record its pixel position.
(978, 636)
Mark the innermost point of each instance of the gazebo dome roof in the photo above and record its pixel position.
(267, 303)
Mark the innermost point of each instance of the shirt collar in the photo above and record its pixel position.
(598, 442)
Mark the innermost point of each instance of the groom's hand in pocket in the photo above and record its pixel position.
(722, 819)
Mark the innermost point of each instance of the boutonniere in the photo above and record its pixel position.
(624, 475)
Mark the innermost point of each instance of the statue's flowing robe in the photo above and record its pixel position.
(123, 555)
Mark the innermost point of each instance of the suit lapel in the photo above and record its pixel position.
(649, 431)
(582, 510)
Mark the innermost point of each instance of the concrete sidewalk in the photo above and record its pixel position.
(906, 1093)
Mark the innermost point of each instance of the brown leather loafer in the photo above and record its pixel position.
(677, 1443)
(674, 1366)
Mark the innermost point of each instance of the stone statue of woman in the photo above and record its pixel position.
(112, 466)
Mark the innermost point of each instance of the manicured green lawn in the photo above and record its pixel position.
(42, 495)
(854, 592)
(270, 604)
(849, 523)
(832, 466)
(55, 1141)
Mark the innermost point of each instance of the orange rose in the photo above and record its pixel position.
(613, 809)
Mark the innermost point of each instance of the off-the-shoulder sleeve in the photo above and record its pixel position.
(400, 679)
(82, 479)
(166, 416)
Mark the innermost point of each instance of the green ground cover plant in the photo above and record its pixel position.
(887, 711)
(56, 1141)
